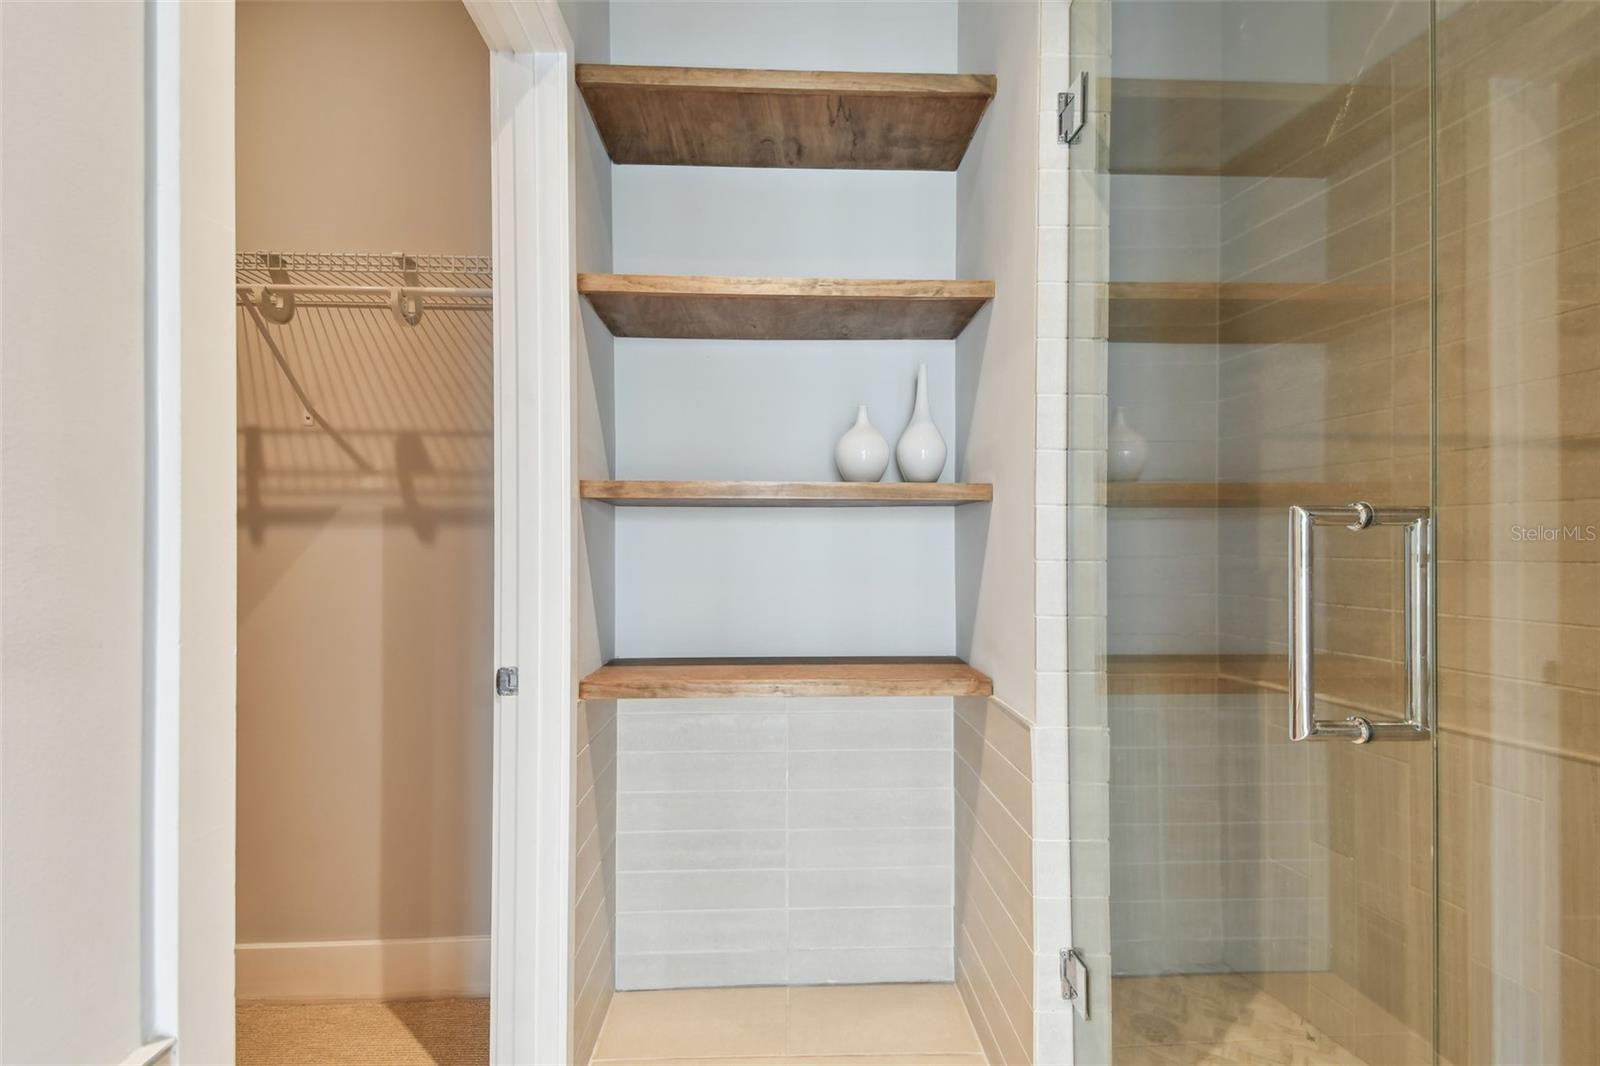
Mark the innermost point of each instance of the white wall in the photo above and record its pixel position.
(1009, 434)
(116, 549)
(589, 23)
(997, 190)
(818, 583)
(594, 849)
(72, 565)
(365, 599)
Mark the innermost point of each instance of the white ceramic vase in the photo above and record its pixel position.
(1125, 449)
(920, 453)
(861, 454)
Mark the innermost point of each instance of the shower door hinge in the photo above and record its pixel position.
(1075, 981)
(505, 681)
(1072, 111)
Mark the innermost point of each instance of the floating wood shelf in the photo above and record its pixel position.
(1236, 493)
(1197, 312)
(698, 116)
(831, 309)
(1243, 128)
(782, 493)
(1356, 682)
(624, 679)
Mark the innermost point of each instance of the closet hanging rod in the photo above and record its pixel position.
(384, 291)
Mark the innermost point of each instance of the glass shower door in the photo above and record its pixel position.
(1253, 752)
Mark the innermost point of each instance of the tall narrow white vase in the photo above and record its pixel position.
(920, 453)
(1126, 449)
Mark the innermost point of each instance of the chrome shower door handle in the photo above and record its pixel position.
(1417, 531)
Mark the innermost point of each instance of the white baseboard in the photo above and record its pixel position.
(364, 969)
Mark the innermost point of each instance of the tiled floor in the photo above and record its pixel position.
(846, 1025)
(1212, 1020)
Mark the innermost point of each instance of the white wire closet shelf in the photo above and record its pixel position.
(275, 283)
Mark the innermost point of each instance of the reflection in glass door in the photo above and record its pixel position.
(1253, 761)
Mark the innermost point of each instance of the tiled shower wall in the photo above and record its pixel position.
(594, 871)
(994, 875)
(1086, 33)
(1519, 613)
(785, 841)
(1062, 588)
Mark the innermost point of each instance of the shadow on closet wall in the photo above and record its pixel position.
(365, 610)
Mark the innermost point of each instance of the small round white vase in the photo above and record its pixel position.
(920, 452)
(861, 454)
(1126, 449)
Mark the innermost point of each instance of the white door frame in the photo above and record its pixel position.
(189, 821)
(535, 316)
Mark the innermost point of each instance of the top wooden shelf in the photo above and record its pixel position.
(710, 117)
(1241, 128)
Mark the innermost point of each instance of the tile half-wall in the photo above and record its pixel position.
(784, 841)
(594, 871)
(994, 876)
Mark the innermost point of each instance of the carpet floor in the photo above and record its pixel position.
(424, 1032)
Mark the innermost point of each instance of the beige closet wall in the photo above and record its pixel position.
(364, 596)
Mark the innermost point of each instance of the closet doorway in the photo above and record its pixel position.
(366, 532)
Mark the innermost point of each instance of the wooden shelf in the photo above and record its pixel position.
(831, 309)
(1235, 493)
(783, 493)
(1355, 682)
(1162, 312)
(1198, 312)
(697, 116)
(624, 679)
(1243, 128)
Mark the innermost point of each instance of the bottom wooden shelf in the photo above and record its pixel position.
(1258, 494)
(638, 679)
(1357, 682)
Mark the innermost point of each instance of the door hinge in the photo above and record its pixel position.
(1072, 111)
(505, 681)
(1075, 981)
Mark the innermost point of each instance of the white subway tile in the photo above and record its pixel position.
(871, 808)
(702, 931)
(700, 732)
(700, 810)
(834, 849)
(869, 769)
(871, 927)
(701, 850)
(926, 886)
(1050, 587)
(701, 970)
(871, 965)
(1050, 421)
(866, 728)
(698, 771)
(686, 890)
